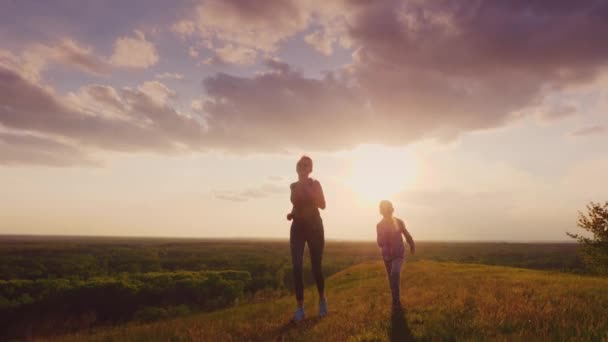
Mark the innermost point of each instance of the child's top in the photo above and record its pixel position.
(390, 238)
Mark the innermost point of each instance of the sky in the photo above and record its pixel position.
(479, 120)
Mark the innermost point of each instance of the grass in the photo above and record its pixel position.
(443, 300)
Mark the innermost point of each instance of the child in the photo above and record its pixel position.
(389, 238)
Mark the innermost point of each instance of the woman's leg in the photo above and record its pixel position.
(296, 244)
(395, 280)
(316, 244)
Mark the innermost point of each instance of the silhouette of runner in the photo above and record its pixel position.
(390, 231)
(307, 227)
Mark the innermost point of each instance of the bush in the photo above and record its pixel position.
(148, 296)
(595, 249)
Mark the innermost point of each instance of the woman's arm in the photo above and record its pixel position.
(290, 214)
(293, 193)
(319, 197)
(292, 187)
(379, 237)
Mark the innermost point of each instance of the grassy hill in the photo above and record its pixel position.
(442, 300)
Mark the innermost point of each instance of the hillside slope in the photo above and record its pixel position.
(442, 300)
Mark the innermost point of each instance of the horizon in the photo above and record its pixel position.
(262, 238)
(480, 122)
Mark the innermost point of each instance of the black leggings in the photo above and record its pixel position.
(311, 232)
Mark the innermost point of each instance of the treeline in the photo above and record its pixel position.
(267, 261)
(50, 287)
(53, 285)
(45, 306)
(93, 259)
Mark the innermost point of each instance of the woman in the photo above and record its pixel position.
(307, 227)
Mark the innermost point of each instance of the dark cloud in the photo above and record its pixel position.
(422, 69)
(449, 66)
(281, 108)
(556, 39)
(590, 131)
(27, 106)
(98, 116)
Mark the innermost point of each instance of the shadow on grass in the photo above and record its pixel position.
(400, 331)
(290, 326)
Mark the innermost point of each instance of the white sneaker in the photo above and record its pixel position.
(299, 315)
(323, 308)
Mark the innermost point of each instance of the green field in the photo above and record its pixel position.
(196, 289)
(444, 301)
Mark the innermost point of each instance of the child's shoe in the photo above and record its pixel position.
(299, 315)
(323, 308)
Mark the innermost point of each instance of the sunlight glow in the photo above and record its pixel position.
(379, 172)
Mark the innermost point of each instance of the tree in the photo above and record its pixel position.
(594, 249)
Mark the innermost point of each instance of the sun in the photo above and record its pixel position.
(379, 172)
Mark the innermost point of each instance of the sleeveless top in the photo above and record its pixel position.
(304, 202)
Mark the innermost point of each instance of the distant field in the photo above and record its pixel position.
(444, 301)
(60, 257)
(53, 285)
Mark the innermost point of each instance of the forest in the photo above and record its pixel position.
(53, 285)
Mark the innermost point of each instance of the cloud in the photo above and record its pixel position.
(98, 116)
(231, 54)
(450, 67)
(70, 53)
(558, 112)
(193, 52)
(36, 58)
(169, 76)
(28, 65)
(26, 149)
(430, 69)
(545, 38)
(196, 106)
(333, 32)
(261, 25)
(157, 92)
(320, 41)
(281, 109)
(236, 31)
(184, 28)
(590, 131)
(229, 196)
(134, 52)
(262, 191)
